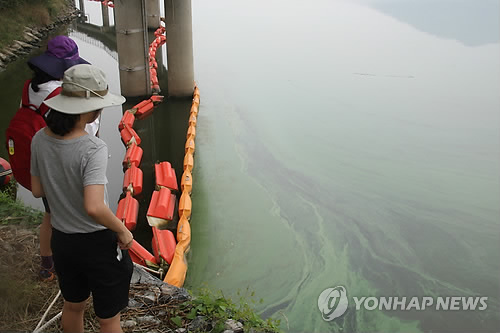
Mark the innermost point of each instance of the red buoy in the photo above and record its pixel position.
(133, 156)
(163, 244)
(165, 176)
(127, 211)
(129, 136)
(161, 208)
(141, 256)
(5, 172)
(128, 119)
(132, 180)
(147, 108)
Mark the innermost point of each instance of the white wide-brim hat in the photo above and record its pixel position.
(84, 89)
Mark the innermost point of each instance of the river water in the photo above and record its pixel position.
(339, 143)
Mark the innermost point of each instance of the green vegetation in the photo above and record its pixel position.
(15, 15)
(14, 211)
(220, 308)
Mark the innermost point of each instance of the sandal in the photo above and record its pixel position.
(47, 274)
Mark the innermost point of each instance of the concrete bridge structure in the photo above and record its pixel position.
(134, 23)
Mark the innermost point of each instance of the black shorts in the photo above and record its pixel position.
(87, 263)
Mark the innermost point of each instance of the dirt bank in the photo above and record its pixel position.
(25, 24)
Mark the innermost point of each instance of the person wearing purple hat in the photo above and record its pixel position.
(48, 71)
(61, 54)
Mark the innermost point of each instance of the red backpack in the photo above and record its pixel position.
(26, 122)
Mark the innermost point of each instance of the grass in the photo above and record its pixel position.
(22, 296)
(33, 13)
(15, 212)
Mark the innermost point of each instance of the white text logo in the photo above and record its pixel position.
(332, 303)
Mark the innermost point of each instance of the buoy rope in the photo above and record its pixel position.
(5, 173)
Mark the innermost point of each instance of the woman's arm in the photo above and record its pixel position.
(93, 200)
(36, 187)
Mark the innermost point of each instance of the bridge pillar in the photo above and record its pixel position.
(132, 46)
(178, 22)
(105, 15)
(153, 13)
(82, 7)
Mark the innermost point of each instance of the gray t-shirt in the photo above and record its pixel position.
(65, 167)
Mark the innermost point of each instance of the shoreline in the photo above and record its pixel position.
(32, 36)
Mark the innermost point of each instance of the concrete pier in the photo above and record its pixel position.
(82, 7)
(153, 14)
(132, 45)
(105, 15)
(178, 22)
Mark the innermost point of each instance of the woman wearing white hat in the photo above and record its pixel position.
(68, 167)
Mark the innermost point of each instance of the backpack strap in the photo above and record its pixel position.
(25, 99)
(44, 108)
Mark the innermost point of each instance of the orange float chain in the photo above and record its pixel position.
(178, 269)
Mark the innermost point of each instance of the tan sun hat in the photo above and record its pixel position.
(84, 89)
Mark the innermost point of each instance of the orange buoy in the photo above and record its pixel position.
(191, 131)
(127, 211)
(176, 274)
(188, 162)
(133, 156)
(192, 119)
(156, 99)
(127, 119)
(132, 180)
(163, 244)
(187, 181)
(184, 234)
(185, 205)
(145, 110)
(190, 146)
(141, 256)
(161, 208)
(194, 109)
(165, 176)
(129, 136)
(139, 105)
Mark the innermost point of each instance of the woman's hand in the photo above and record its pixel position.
(125, 239)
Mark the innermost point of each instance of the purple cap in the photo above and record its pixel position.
(61, 54)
